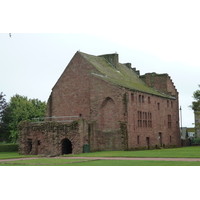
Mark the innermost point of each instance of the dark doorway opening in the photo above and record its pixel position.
(66, 147)
(29, 145)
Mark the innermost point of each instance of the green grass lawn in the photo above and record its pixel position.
(78, 162)
(8, 155)
(184, 152)
(42, 162)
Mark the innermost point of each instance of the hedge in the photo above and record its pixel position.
(196, 141)
(8, 147)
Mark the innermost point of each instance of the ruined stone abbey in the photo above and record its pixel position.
(110, 107)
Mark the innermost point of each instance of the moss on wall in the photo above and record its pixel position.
(125, 102)
(124, 132)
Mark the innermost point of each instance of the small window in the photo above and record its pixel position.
(167, 103)
(80, 115)
(142, 99)
(169, 121)
(149, 120)
(149, 100)
(38, 143)
(171, 104)
(158, 106)
(132, 97)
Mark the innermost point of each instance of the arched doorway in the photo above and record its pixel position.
(66, 146)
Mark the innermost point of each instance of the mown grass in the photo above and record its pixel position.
(81, 162)
(184, 152)
(9, 155)
(42, 162)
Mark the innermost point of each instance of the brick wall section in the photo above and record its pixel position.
(107, 110)
(159, 119)
(70, 95)
(170, 134)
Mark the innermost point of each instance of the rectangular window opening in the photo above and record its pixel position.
(149, 100)
(139, 98)
(169, 121)
(132, 97)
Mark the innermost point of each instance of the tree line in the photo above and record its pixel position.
(18, 109)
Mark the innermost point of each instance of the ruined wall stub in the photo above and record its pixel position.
(48, 138)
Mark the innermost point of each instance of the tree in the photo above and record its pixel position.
(196, 108)
(196, 104)
(19, 109)
(3, 106)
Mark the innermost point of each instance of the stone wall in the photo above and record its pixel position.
(50, 138)
(148, 121)
(113, 140)
(47, 138)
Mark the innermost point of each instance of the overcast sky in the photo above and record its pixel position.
(155, 36)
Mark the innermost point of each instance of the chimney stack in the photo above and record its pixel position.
(113, 59)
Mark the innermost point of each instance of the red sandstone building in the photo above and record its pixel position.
(120, 108)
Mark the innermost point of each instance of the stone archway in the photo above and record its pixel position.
(66, 146)
(108, 115)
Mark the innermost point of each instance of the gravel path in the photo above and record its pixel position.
(110, 158)
(124, 158)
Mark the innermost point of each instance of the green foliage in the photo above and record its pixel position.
(19, 109)
(8, 147)
(3, 127)
(196, 104)
(196, 141)
(3, 105)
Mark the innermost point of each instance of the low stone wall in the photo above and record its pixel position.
(47, 138)
(54, 139)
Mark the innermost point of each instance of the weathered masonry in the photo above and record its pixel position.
(118, 109)
(52, 138)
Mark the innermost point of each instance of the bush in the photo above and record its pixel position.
(196, 141)
(8, 147)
